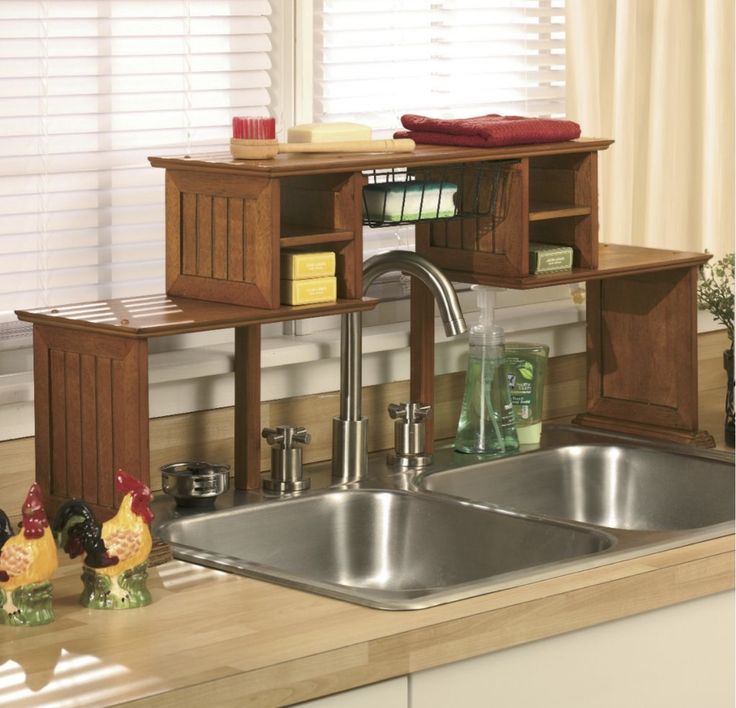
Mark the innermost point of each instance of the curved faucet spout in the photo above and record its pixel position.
(350, 429)
(410, 263)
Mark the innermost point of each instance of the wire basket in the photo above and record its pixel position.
(407, 196)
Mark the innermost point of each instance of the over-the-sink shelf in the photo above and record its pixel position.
(227, 222)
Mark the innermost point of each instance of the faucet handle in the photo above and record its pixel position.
(287, 473)
(286, 437)
(409, 412)
(409, 434)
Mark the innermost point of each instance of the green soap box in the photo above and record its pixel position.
(549, 258)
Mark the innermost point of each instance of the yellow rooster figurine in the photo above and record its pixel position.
(27, 562)
(114, 573)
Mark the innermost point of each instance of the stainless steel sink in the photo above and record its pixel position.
(611, 485)
(384, 548)
(398, 540)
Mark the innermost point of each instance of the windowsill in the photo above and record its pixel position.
(201, 377)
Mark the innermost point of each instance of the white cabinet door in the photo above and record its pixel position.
(676, 657)
(387, 694)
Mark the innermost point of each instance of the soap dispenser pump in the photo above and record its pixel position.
(486, 425)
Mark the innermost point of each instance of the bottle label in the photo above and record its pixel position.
(520, 385)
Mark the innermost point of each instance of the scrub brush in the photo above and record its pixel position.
(255, 139)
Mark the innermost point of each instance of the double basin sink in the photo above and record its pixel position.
(464, 526)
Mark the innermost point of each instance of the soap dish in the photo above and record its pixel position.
(195, 483)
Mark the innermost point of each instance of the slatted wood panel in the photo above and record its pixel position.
(222, 234)
(483, 245)
(91, 418)
(214, 236)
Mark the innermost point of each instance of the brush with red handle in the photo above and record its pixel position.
(255, 139)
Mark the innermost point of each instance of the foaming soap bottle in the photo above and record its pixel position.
(486, 425)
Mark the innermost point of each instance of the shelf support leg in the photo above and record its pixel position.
(247, 434)
(421, 343)
(91, 415)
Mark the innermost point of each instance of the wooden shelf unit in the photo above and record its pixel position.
(226, 224)
(551, 198)
(641, 307)
(91, 386)
(224, 232)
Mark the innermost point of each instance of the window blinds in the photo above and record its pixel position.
(88, 90)
(446, 58)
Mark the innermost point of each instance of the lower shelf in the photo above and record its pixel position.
(614, 260)
(161, 314)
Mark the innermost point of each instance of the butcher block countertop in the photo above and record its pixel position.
(211, 638)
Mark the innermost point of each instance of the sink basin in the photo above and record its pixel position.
(614, 486)
(383, 548)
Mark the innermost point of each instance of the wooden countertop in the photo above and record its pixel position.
(211, 638)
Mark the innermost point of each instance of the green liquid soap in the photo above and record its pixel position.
(526, 366)
(486, 425)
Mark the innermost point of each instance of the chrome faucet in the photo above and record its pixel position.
(350, 428)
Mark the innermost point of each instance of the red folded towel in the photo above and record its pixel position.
(492, 130)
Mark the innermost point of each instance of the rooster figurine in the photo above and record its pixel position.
(27, 562)
(116, 552)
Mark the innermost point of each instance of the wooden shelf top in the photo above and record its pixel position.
(543, 211)
(161, 314)
(289, 164)
(613, 260)
(293, 235)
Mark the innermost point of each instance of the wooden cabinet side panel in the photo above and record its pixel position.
(349, 258)
(222, 238)
(91, 412)
(642, 353)
(586, 193)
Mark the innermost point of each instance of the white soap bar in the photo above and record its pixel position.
(328, 132)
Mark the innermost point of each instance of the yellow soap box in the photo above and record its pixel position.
(309, 291)
(296, 265)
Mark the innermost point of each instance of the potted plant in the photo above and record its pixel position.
(716, 294)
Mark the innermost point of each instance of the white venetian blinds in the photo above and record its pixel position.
(88, 90)
(376, 60)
